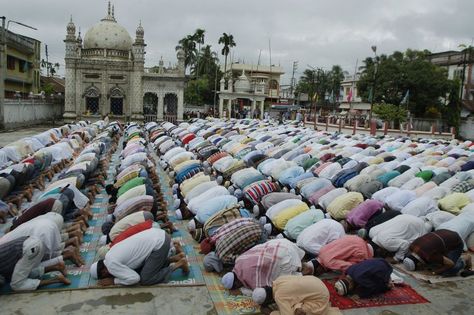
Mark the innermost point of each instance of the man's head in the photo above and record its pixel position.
(111, 190)
(344, 285)
(230, 281)
(312, 267)
(410, 263)
(99, 270)
(263, 296)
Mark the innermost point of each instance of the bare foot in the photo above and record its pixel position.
(64, 280)
(177, 257)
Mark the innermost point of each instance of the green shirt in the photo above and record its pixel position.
(137, 181)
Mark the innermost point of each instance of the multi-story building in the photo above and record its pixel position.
(246, 87)
(460, 65)
(349, 98)
(22, 65)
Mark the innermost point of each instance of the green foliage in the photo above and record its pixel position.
(195, 91)
(228, 41)
(318, 83)
(48, 89)
(452, 111)
(398, 73)
(390, 112)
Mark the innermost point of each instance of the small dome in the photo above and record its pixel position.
(108, 34)
(242, 84)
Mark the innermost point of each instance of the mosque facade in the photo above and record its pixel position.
(106, 75)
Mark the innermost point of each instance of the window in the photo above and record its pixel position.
(23, 66)
(116, 106)
(457, 74)
(92, 105)
(10, 63)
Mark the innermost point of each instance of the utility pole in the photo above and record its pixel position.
(374, 49)
(47, 60)
(293, 83)
(3, 70)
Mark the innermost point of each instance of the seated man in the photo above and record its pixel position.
(231, 240)
(342, 253)
(442, 250)
(147, 251)
(20, 264)
(261, 265)
(296, 295)
(366, 279)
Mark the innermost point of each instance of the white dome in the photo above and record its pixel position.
(108, 34)
(242, 84)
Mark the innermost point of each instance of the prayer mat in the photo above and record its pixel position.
(400, 294)
(427, 276)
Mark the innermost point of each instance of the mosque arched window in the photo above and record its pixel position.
(92, 95)
(116, 101)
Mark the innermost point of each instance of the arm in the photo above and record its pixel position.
(447, 264)
(123, 274)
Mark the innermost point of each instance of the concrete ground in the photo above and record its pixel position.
(9, 136)
(447, 298)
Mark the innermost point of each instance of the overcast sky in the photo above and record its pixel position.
(315, 32)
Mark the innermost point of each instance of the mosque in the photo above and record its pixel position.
(106, 75)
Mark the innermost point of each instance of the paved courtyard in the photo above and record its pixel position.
(446, 298)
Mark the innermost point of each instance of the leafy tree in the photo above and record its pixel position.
(228, 41)
(452, 111)
(398, 73)
(188, 45)
(318, 83)
(199, 39)
(390, 112)
(193, 93)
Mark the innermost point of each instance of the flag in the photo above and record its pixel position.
(370, 95)
(349, 96)
(405, 98)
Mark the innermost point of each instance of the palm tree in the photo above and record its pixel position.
(228, 41)
(188, 45)
(208, 61)
(199, 39)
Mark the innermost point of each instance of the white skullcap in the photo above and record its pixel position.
(268, 228)
(409, 264)
(371, 249)
(109, 218)
(259, 295)
(219, 179)
(179, 215)
(103, 240)
(93, 271)
(228, 280)
(176, 203)
(292, 190)
(231, 189)
(256, 210)
(172, 173)
(192, 225)
(262, 220)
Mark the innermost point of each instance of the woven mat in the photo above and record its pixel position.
(400, 294)
(80, 276)
(427, 276)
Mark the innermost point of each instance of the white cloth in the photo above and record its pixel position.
(199, 189)
(130, 254)
(396, 235)
(319, 234)
(400, 199)
(215, 191)
(420, 207)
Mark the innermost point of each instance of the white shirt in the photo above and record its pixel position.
(396, 235)
(213, 192)
(42, 228)
(400, 199)
(274, 210)
(130, 254)
(319, 234)
(328, 197)
(420, 207)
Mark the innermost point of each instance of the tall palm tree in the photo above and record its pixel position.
(228, 41)
(199, 39)
(188, 45)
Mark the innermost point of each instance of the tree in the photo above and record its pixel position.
(398, 73)
(188, 45)
(390, 112)
(228, 41)
(199, 39)
(452, 111)
(51, 68)
(318, 83)
(193, 93)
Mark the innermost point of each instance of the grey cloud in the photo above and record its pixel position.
(316, 32)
